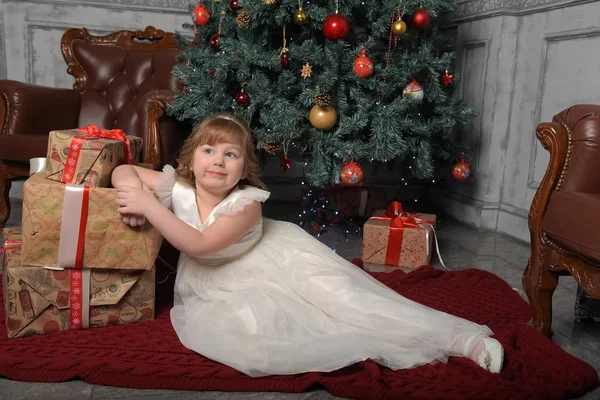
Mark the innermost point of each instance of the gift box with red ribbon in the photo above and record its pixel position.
(89, 155)
(45, 300)
(397, 238)
(66, 225)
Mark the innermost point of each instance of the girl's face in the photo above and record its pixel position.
(218, 167)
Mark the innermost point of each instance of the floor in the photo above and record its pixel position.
(461, 247)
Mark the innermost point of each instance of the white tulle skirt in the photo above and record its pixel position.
(292, 305)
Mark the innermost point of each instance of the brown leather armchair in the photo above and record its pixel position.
(122, 80)
(564, 219)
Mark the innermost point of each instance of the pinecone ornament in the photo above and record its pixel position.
(243, 19)
(322, 99)
(314, 228)
(271, 147)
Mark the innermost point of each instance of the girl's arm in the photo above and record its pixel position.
(222, 233)
(132, 175)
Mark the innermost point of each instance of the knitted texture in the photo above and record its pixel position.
(148, 355)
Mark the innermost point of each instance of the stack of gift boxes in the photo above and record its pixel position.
(74, 264)
(399, 239)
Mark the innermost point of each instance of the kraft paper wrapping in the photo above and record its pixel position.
(415, 248)
(97, 159)
(109, 243)
(37, 299)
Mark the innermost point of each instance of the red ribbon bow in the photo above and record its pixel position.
(95, 132)
(398, 218)
(398, 221)
(91, 132)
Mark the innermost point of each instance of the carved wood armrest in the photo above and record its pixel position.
(161, 133)
(556, 138)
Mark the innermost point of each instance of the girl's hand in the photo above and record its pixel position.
(133, 220)
(134, 204)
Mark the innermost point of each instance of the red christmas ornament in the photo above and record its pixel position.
(214, 41)
(285, 59)
(461, 170)
(335, 26)
(200, 16)
(363, 66)
(213, 72)
(285, 163)
(234, 5)
(242, 99)
(351, 174)
(421, 18)
(447, 79)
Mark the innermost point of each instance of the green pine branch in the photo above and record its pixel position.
(375, 122)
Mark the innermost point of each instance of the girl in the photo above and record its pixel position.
(264, 296)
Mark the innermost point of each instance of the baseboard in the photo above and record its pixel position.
(486, 217)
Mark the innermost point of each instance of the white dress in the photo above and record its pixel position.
(281, 302)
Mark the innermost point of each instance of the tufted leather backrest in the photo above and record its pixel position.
(114, 72)
(584, 162)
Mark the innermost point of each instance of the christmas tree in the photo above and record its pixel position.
(336, 81)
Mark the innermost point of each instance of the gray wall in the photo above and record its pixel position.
(521, 62)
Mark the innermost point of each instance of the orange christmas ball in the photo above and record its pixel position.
(351, 174)
(461, 170)
(363, 67)
(201, 15)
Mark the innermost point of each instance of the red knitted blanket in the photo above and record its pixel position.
(148, 354)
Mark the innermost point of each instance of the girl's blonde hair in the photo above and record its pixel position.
(218, 128)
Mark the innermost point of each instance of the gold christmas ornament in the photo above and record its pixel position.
(269, 2)
(300, 17)
(243, 19)
(306, 70)
(323, 118)
(399, 27)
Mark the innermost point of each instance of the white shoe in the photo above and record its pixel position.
(492, 358)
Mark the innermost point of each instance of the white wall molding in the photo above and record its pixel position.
(549, 39)
(171, 6)
(472, 45)
(477, 9)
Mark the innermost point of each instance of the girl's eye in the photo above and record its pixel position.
(208, 151)
(230, 154)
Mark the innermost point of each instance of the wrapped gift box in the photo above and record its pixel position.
(40, 300)
(78, 157)
(392, 237)
(106, 241)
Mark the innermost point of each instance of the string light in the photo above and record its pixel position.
(315, 211)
